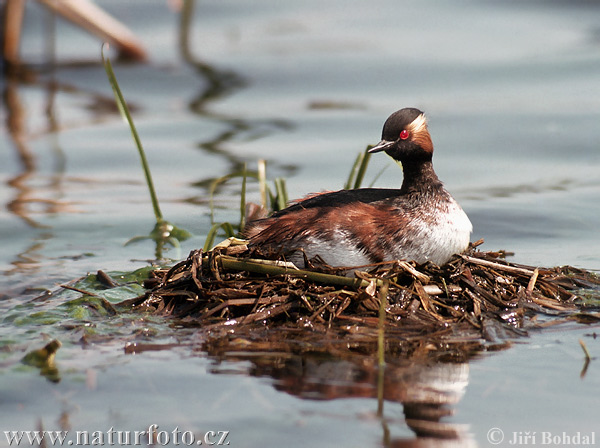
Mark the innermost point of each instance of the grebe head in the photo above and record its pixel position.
(405, 136)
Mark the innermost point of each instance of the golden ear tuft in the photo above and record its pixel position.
(420, 133)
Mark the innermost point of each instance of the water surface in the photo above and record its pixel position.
(511, 93)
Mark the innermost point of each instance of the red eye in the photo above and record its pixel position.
(404, 134)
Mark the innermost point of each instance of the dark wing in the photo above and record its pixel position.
(323, 201)
(339, 199)
(364, 226)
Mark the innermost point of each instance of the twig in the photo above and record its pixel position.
(585, 351)
(239, 302)
(81, 291)
(588, 358)
(499, 266)
(532, 281)
(270, 313)
(423, 278)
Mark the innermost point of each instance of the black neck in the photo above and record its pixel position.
(419, 176)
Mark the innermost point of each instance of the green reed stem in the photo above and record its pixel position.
(262, 182)
(264, 267)
(358, 170)
(383, 292)
(243, 200)
(362, 168)
(281, 195)
(122, 105)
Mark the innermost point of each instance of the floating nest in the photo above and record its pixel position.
(325, 333)
(476, 296)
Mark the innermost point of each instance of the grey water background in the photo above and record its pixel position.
(512, 94)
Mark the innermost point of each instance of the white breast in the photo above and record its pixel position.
(338, 251)
(449, 234)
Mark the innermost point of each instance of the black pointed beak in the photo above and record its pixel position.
(381, 146)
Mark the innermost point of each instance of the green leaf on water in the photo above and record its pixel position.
(43, 359)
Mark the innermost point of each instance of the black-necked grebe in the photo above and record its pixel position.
(421, 221)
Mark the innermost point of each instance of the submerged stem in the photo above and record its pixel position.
(383, 292)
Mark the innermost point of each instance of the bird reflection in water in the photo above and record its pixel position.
(426, 377)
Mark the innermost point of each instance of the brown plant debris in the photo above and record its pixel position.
(476, 295)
